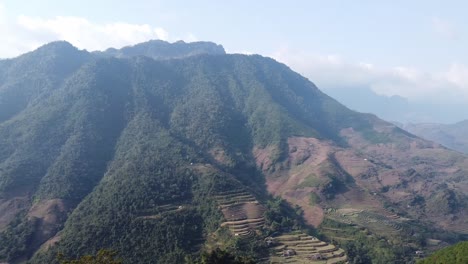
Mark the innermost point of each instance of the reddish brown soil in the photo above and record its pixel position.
(49, 243)
(47, 210)
(394, 172)
(243, 211)
(305, 156)
(47, 213)
(9, 208)
(263, 157)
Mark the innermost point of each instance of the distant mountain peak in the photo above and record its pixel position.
(463, 123)
(58, 46)
(159, 49)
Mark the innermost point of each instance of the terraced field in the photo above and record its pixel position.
(243, 213)
(298, 247)
(390, 223)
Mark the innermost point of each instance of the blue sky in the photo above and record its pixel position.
(415, 49)
(390, 33)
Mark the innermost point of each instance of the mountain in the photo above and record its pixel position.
(158, 50)
(454, 136)
(166, 160)
(397, 108)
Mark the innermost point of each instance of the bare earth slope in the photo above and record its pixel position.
(391, 178)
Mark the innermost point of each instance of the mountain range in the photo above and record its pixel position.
(398, 108)
(454, 136)
(166, 152)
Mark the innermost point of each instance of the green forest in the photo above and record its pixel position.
(456, 254)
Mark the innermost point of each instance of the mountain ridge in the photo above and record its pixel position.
(159, 49)
(138, 151)
(397, 108)
(450, 135)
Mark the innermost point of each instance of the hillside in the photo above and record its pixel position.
(164, 159)
(456, 254)
(454, 136)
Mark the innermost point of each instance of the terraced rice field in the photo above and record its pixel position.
(243, 213)
(298, 247)
(376, 222)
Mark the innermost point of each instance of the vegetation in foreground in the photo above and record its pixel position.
(456, 254)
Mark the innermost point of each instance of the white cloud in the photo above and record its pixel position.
(328, 70)
(84, 34)
(2, 13)
(457, 74)
(191, 37)
(24, 33)
(11, 43)
(334, 72)
(161, 34)
(444, 28)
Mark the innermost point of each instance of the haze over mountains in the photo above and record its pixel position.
(164, 152)
(454, 136)
(397, 108)
(442, 123)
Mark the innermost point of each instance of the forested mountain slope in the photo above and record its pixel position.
(162, 159)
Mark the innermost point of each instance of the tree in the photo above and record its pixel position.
(104, 256)
(219, 256)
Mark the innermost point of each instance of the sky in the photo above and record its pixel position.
(415, 49)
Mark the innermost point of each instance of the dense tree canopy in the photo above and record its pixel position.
(456, 254)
